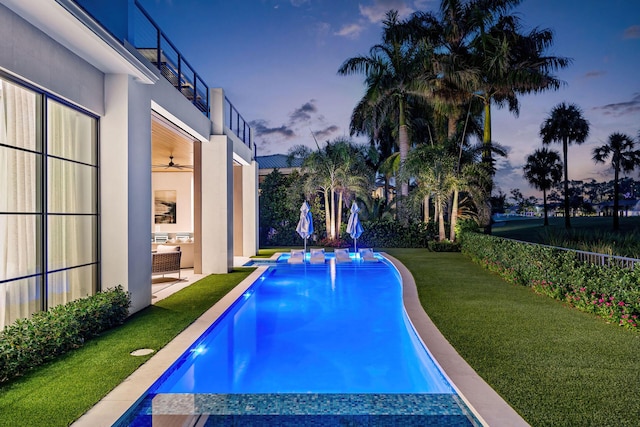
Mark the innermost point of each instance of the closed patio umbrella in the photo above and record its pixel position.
(354, 228)
(305, 224)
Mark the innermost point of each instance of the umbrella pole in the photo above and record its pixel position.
(355, 245)
(305, 246)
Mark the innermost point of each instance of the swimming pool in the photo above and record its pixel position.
(324, 344)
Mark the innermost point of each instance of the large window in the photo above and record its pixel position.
(48, 202)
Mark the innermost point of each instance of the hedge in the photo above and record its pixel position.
(27, 343)
(392, 234)
(612, 293)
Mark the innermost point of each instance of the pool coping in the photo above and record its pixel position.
(483, 401)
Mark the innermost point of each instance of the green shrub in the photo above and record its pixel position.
(444, 246)
(612, 292)
(392, 234)
(31, 342)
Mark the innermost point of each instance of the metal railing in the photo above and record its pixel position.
(155, 46)
(604, 260)
(236, 122)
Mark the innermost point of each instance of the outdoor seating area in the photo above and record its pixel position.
(166, 260)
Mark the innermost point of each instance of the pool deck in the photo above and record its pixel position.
(485, 403)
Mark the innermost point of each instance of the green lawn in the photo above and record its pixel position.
(556, 366)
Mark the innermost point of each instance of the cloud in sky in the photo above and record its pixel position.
(619, 109)
(377, 11)
(351, 31)
(301, 120)
(298, 3)
(633, 32)
(326, 132)
(261, 128)
(593, 74)
(303, 113)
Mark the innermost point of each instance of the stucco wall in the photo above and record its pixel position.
(35, 57)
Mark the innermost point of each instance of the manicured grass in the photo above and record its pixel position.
(591, 234)
(556, 366)
(58, 393)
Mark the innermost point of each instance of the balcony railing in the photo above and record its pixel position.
(155, 46)
(236, 122)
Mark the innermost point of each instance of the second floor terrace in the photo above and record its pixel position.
(134, 27)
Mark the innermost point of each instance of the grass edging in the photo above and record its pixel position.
(59, 392)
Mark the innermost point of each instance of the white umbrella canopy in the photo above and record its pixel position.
(305, 224)
(354, 228)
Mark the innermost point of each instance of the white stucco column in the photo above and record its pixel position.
(125, 189)
(250, 209)
(217, 205)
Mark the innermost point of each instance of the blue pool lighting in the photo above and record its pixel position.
(326, 344)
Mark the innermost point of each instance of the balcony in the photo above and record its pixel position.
(153, 44)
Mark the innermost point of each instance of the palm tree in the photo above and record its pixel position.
(543, 170)
(336, 170)
(565, 125)
(482, 52)
(392, 74)
(434, 171)
(624, 158)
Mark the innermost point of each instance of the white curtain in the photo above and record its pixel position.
(71, 190)
(18, 194)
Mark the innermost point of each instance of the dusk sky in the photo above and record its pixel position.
(277, 61)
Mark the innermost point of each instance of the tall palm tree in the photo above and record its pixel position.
(392, 74)
(543, 170)
(566, 125)
(624, 158)
(482, 52)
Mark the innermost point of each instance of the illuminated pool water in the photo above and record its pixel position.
(307, 337)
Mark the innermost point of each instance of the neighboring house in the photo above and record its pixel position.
(268, 164)
(87, 106)
(628, 207)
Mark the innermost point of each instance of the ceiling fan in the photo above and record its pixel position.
(171, 164)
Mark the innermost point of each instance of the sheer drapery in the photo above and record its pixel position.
(64, 174)
(19, 203)
(71, 201)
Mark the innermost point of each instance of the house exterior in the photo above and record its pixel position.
(96, 123)
(271, 162)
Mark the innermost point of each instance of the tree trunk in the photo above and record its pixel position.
(616, 201)
(565, 149)
(441, 232)
(544, 206)
(454, 215)
(403, 144)
(339, 217)
(333, 214)
(487, 161)
(426, 209)
(327, 213)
